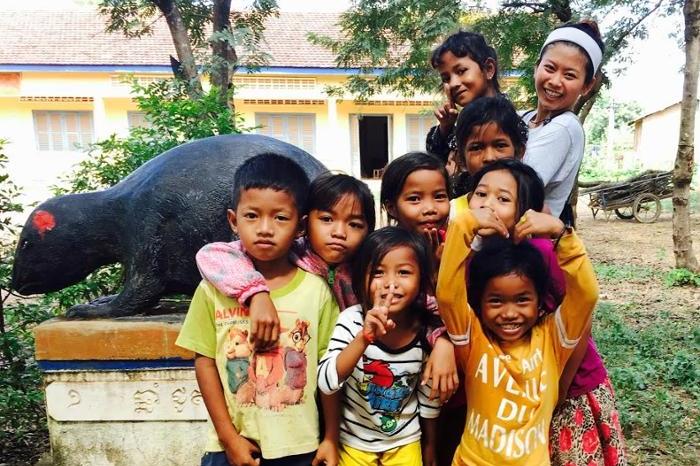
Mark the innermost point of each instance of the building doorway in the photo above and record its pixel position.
(372, 138)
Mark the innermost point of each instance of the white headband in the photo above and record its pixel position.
(580, 38)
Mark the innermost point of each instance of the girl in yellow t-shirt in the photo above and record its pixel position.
(511, 353)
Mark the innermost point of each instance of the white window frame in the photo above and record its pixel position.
(62, 129)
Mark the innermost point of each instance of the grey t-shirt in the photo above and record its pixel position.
(555, 151)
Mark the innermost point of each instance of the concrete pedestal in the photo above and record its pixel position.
(119, 392)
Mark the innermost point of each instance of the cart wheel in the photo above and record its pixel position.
(646, 208)
(625, 213)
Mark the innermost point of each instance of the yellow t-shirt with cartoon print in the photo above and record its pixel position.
(269, 395)
(511, 389)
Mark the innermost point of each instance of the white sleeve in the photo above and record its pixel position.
(547, 152)
(346, 329)
(428, 409)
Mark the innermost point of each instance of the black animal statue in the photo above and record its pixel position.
(152, 222)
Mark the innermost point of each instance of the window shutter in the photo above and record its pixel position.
(417, 127)
(297, 129)
(62, 131)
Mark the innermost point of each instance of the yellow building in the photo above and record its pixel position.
(61, 86)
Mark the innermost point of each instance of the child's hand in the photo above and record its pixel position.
(447, 114)
(441, 369)
(436, 243)
(240, 450)
(377, 322)
(534, 223)
(264, 322)
(327, 454)
(489, 223)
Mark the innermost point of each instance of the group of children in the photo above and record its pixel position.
(458, 335)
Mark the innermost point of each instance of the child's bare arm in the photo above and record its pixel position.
(428, 440)
(239, 450)
(572, 365)
(429, 411)
(327, 452)
(441, 370)
(231, 271)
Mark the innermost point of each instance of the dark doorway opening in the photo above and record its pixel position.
(374, 145)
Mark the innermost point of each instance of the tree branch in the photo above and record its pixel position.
(225, 56)
(534, 6)
(615, 44)
(181, 41)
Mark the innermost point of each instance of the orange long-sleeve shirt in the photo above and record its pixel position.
(511, 389)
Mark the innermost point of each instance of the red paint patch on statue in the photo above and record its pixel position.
(43, 221)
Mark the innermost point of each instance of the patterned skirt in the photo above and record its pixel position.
(586, 431)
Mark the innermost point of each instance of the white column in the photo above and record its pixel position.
(99, 118)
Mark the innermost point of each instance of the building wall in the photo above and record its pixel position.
(108, 100)
(656, 138)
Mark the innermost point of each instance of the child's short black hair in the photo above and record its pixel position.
(327, 189)
(589, 27)
(399, 169)
(484, 110)
(376, 246)
(272, 171)
(499, 257)
(468, 44)
(530, 186)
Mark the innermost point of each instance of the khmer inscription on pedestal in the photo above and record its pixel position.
(118, 392)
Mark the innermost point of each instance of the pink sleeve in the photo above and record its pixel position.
(557, 287)
(433, 332)
(303, 257)
(230, 270)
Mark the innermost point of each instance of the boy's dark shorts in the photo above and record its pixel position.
(218, 458)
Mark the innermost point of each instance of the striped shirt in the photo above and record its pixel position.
(383, 396)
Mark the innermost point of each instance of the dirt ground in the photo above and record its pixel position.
(646, 252)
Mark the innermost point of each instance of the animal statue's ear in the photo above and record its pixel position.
(232, 221)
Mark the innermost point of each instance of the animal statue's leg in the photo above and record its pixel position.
(140, 291)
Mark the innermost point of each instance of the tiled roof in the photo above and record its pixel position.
(79, 38)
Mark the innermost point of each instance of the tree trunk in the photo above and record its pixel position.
(181, 40)
(683, 169)
(583, 108)
(224, 54)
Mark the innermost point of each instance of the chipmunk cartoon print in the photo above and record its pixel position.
(270, 379)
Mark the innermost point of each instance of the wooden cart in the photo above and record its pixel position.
(638, 197)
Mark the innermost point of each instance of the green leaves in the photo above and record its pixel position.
(397, 36)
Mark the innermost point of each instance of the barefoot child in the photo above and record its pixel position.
(377, 353)
(262, 403)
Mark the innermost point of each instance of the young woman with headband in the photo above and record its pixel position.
(569, 60)
(585, 428)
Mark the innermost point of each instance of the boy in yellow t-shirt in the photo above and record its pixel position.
(262, 402)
